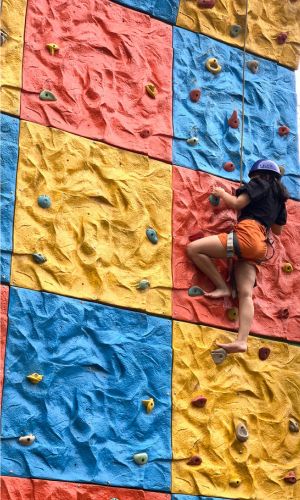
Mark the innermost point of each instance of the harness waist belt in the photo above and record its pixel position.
(233, 246)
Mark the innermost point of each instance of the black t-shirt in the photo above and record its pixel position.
(265, 205)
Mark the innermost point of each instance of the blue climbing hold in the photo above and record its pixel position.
(214, 200)
(44, 201)
(39, 258)
(46, 95)
(152, 235)
(195, 291)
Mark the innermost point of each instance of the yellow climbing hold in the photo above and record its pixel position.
(35, 378)
(52, 47)
(151, 90)
(287, 268)
(213, 65)
(149, 404)
(235, 482)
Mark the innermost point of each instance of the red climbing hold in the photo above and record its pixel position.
(264, 353)
(206, 4)
(283, 130)
(195, 460)
(199, 401)
(145, 133)
(283, 313)
(281, 38)
(229, 166)
(195, 95)
(233, 121)
(290, 477)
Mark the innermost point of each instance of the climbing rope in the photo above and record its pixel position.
(243, 94)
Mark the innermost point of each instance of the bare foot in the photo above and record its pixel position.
(237, 346)
(218, 293)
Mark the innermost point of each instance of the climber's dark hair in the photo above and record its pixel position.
(281, 190)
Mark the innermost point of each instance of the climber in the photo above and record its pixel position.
(261, 207)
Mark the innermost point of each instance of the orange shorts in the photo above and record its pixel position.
(252, 238)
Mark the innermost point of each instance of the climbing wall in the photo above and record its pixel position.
(114, 125)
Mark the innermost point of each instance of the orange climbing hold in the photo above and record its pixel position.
(195, 95)
(283, 130)
(233, 121)
(229, 166)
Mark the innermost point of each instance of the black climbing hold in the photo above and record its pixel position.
(214, 200)
(46, 95)
(195, 291)
(152, 235)
(3, 37)
(199, 401)
(39, 258)
(293, 425)
(264, 353)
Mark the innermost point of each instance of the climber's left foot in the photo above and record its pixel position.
(233, 347)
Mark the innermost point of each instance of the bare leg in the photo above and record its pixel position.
(200, 252)
(245, 275)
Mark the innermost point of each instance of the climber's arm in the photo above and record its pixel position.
(237, 203)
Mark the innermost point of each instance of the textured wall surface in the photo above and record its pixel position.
(270, 101)
(4, 291)
(192, 497)
(26, 489)
(261, 394)
(9, 127)
(275, 291)
(98, 363)
(266, 20)
(94, 234)
(12, 22)
(99, 73)
(165, 10)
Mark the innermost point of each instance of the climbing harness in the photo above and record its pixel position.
(243, 94)
(232, 247)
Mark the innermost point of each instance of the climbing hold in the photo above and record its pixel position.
(253, 65)
(281, 38)
(87, 248)
(235, 30)
(195, 460)
(192, 141)
(242, 433)
(152, 235)
(46, 95)
(145, 133)
(283, 313)
(229, 166)
(143, 285)
(235, 482)
(52, 47)
(290, 478)
(282, 170)
(214, 200)
(232, 313)
(195, 291)
(293, 425)
(199, 401)
(44, 201)
(213, 65)
(233, 121)
(39, 258)
(140, 458)
(264, 353)
(287, 268)
(27, 440)
(219, 355)
(151, 90)
(195, 95)
(206, 4)
(3, 37)
(35, 378)
(149, 404)
(283, 130)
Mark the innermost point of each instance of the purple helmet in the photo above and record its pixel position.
(268, 166)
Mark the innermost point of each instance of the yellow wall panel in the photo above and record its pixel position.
(266, 19)
(261, 394)
(12, 22)
(93, 235)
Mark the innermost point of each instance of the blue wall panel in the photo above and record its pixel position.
(270, 101)
(8, 160)
(162, 9)
(98, 364)
(191, 497)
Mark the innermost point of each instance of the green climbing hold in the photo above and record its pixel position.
(39, 258)
(195, 291)
(152, 235)
(44, 201)
(140, 458)
(214, 200)
(143, 285)
(235, 30)
(218, 356)
(46, 95)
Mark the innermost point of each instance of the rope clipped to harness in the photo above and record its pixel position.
(243, 93)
